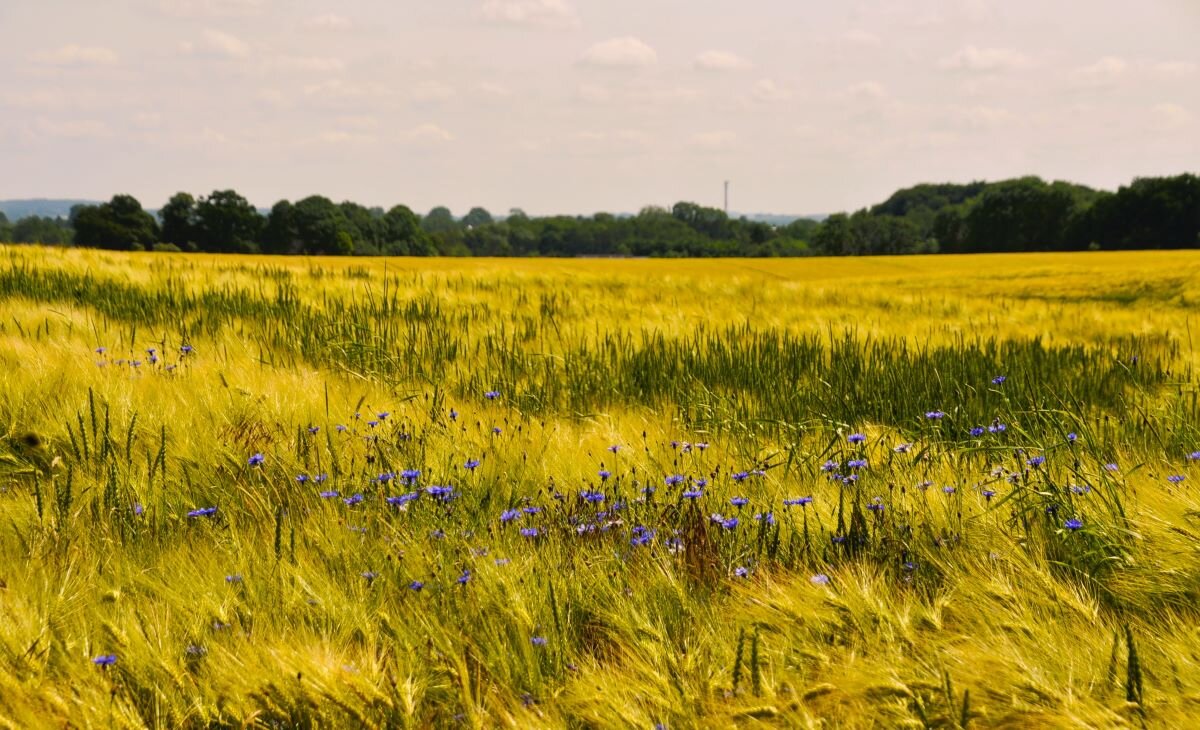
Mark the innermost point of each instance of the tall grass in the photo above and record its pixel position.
(976, 551)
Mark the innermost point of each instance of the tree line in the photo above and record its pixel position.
(1023, 214)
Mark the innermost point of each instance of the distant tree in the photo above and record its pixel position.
(279, 235)
(178, 218)
(5, 229)
(318, 225)
(227, 223)
(403, 235)
(439, 220)
(477, 217)
(119, 224)
(38, 229)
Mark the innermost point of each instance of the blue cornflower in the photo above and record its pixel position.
(531, 510)
(445, 494)
(538, 640)
(838, 539)
(372, 424)
(876, 504)
(416, 585)
(856, 438)
(593, 497)
(1175, 478)
(729, 523)
(438, 534)
(673, 479)
(312, 430)
(1195, 455)
(319, 478)
(1073, 524)
(138, 509)
(741, 571)
(101, 350)
(203, 512)
(857, 464)
(453, 415)
(186, 349)
(410, 475)
(1036, 461)
(604, 474)
(614, 448)
(641, 535)
(353, 500)
(105, 660)
(383, 416)
(529, 532)
(902, 448)
(739, 501)
(739, 476)
(509, 515)
(935, 415)
(693, 494)
(236, 578)
(948, 489)
(1072, 437)
(462, 579)
(328, 494)
(768, 517)
(255, 460)
(820, 579)
(988, 494)
(370, 575)
(301, 478)
(385, 477)
(496, 430)
(1111, 467)
(702, 445)
(797, 501)
(999, 379)
(471, 464)
(492, 394)
(340, 428)
(978, 431)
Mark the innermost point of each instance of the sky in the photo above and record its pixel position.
(579, 106)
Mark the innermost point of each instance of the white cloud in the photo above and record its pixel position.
(339, 136)
(427, 134)
(1105, 71)
(713, 141)
(217, 43)
(530, 13)
(73, 128)
(861, 37)
(76, 55)
(1170, 117)
(985, 60)
(866, 91)
(307, 64)
(768, 90)
(981, 117)
(493, 89)
(1173, 69)
(329, 21)
(624, 52)
(211, 8)
(147, 120)
(721, 61)
(362, 121)
(432, 91)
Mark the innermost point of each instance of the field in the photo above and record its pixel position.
(887, 492)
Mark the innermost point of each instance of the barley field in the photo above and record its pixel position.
(928, 492)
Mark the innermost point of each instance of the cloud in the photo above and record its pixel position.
(624, 52)
(216, 43)
(865, 91)
(985, 60)
(432, 91)
(1170, 117)
(981, 117)
(713, 141)
(362, 121)
(76, 55)
(427, 134)
(721, 61)
(530, 13)
(328, 21)
(211, 8)
(307, 64)
(860, 37)
(768, 90)
(1173, 69)
(73, 128)
(1103, 72)
(493, 89)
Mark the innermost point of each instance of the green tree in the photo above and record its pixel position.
(119, 224)
(439, 220)
(477, 217)
(227, 223)
(178, 218)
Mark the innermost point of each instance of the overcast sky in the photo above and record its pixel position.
(576, 106)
